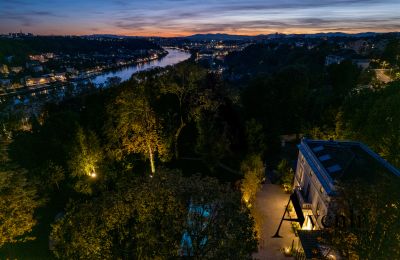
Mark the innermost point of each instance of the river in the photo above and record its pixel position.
(174, 56)
(33, 102)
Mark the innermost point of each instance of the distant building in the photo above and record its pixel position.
(30, 82)
(5, 82)
(16, 69)
(380, 45)
(60, 77)
(20, 34)
(49, 55)
(9, 58)
(38, 68)
(30, 64)
(361, 63)
(333, 59)
(71, 70)
(359, 46)
(4, 69)
(41, 58)
(34, 66)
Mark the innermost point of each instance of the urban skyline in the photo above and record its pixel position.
(186, 17)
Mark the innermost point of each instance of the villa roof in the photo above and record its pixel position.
(334, 161)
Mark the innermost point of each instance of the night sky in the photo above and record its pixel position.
(184, 17)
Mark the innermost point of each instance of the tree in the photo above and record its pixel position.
(374, 208)
(344, 77)
(18, 202)
(278, 102)
(141, 220)
(220, 226)
(112, 81)
(183, 82)
(372, 116)
(213, 141)
(256, 139)
(52, 175)
(253, 170)
(254, 174)
(392, 52)
(146, 218)
(86, 157)
(134, 126)
(285, 175)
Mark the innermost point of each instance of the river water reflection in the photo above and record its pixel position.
(32, 102)
(174, 56)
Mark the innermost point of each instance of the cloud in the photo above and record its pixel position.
(182, 16)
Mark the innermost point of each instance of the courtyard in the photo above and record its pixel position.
(271, 201)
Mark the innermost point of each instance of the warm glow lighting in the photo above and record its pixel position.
(287, 251)
(246, 200)
(308, 225)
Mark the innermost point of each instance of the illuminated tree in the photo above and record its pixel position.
(253, 170)
(86, 157)
(135, 127)
(18, 202)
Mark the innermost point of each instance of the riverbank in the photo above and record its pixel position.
(172, 57)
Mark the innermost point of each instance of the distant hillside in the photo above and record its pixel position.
(226, 37)
(340, 34)
(21, 47)
(235, 37)
(218, 37)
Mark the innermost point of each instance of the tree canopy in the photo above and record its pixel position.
(147, 217)
(18, 202)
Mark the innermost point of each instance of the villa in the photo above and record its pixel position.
(321, 166)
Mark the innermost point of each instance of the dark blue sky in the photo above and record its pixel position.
(183, 17)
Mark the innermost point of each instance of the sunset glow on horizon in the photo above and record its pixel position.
(186, 17)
